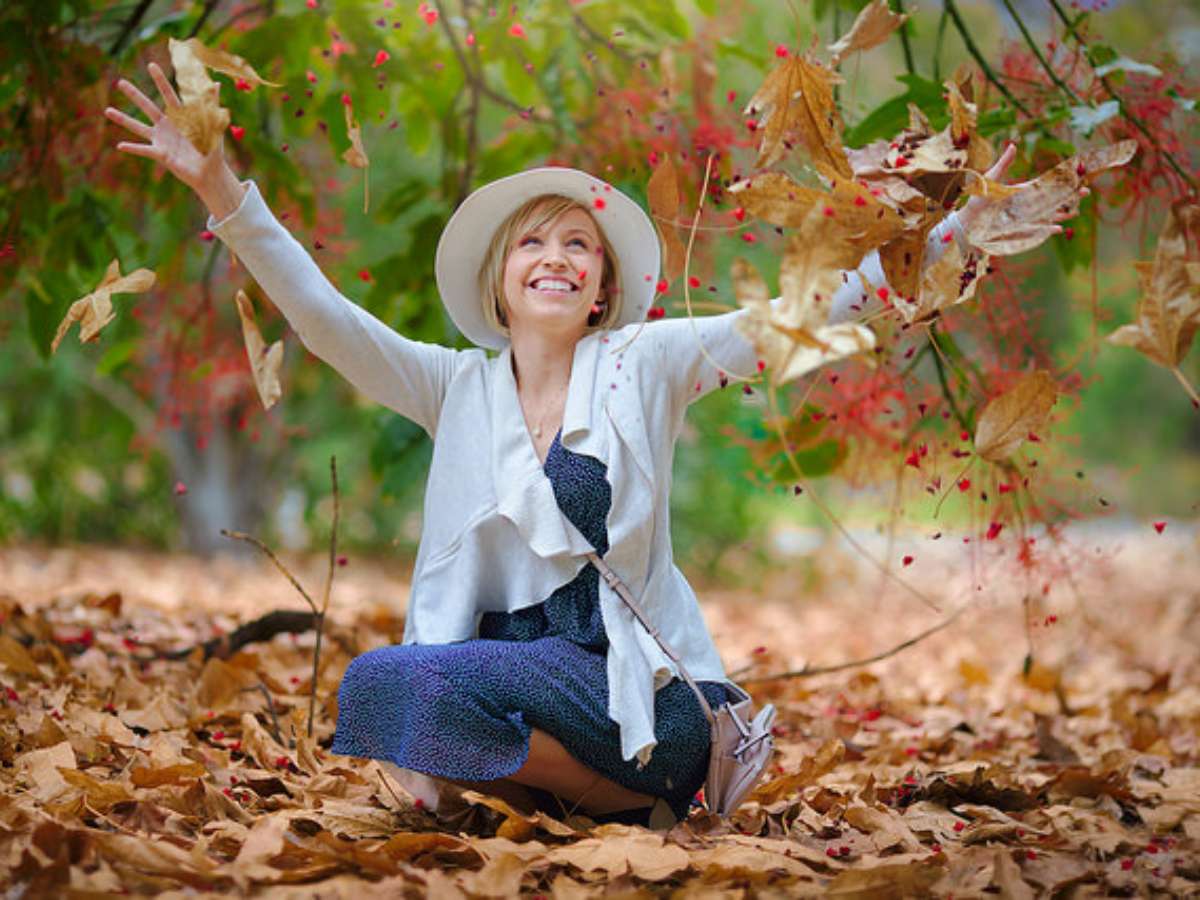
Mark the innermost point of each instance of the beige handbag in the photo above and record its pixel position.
(741, 745)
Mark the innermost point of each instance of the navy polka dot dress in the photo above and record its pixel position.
(465, 710)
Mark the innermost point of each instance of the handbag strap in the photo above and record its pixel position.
(613, 580)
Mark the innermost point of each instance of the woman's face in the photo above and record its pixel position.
(552, 275)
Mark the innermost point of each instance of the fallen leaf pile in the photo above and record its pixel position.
(944, 770)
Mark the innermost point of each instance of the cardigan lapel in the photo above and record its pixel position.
(524, 494)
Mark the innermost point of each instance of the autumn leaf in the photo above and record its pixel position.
(798, 97)
(663, 195)
(1024, 219)
(1008, 419)
(874, 25)
(951, 280)
(201, 117)
(95, 310)
(791, 334)
(1168, 311)
(264, 360)
(356, 154)
(225, 63)
(847, 217)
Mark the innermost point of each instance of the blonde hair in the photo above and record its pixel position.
(548, 208)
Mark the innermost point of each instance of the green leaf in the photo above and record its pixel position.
(1101, 54)
(115, 357)
(814, 462)
(891, 117)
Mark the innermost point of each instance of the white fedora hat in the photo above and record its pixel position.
(468, 234)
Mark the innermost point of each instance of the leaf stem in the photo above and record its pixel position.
(941, 373)
(1191, 391)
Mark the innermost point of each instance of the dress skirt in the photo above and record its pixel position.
(465, 710)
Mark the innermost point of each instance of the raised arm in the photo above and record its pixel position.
(408, 376)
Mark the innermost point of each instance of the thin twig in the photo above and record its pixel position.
(809, 671)
(969, 42)
(1037, 51)
(241, 536)
(276, 733)
(209, 6)
(898, 6)
(130, 24)
(312, 694)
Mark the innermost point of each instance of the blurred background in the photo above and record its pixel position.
(153, 437)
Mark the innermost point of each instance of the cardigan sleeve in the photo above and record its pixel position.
(408, 376)
(694, 353)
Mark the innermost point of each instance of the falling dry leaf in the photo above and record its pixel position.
(226, 63)
(1168, 310)
(792, 335)
(949, 281)
(264, 360)
(201, 117)
(874, 25)
(797, 97)
(95, 310)
(1008, 419)
(663, 195)
(1021, 221)
(356, 154)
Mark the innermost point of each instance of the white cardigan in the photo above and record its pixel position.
(493, 536)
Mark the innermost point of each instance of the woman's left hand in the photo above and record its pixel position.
(976, 205)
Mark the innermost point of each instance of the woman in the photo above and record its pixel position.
(520, 666)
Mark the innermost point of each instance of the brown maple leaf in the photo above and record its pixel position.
(95, 310)
(1028, 215)
(874, 25)
(1168, 311)
(356, 153)
(797, 97)
(663, 194)
(201, 117)
(1009, 418)
(264, 360)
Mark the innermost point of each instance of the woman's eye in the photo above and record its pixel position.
(527, 240)
(581, 242)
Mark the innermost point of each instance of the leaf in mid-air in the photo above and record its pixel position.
(1028, 216)
(798, 97)
(225, 63)
(264, 360)
(356, 153)
(95, 310)
(1168, 311)
(201, 117)
(663, 194)
(874, 25)
(1009, 418)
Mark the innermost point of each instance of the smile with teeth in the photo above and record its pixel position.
(552, 286)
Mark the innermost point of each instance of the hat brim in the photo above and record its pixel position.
(465, 240)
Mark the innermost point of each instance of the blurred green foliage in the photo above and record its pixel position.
(94, 440)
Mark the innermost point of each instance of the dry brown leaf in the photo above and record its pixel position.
(500, 877)
(95, 310)
(798, 97)
(903, 260)
(874, 25)
(100, 794)
(156, 777)
(356, 153)
(848, 217)
(1027, 217)
(951, 280)
(748, 285)
(226, 63)
(907, 879)
(791, 335)
(16, 658)
(1168, 310)
(201, 117)
(264, 360)
(662, 191)
(1008, 419)
(517, 826)
(1006, 875)
(621, 849)
(42, 770)
(887, 828)
(824, 761)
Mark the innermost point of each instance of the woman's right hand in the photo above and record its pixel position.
(208, 175)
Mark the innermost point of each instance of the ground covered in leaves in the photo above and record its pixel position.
(1033, 746)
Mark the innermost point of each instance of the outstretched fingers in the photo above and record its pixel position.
(129, 123)
(147, 150)
(170, 98)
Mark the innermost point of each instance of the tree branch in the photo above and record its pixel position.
(130, 24)
(1037, 51)
(209, 6)
(898, 6)
(809, 671)
(969, 42)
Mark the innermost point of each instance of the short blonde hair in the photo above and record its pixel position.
(530, 216)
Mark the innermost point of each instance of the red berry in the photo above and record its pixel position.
(907, 561)
(1159, 526)
(739, 214)
(237, 131)
(655, 312)
(662, 286)
(599, 203)
(180, 489)
(1127, 864)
